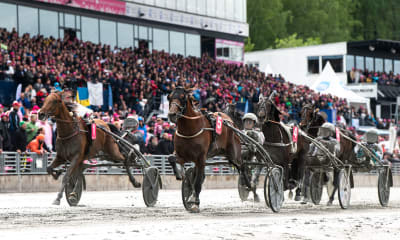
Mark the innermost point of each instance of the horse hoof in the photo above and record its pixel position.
(329, 203)
(297, 198)
(195, 208)
(137, 184)
(56, 202)
(305, 201)
(256, 198)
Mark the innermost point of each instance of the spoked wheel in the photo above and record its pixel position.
(188, 188)
(242, 187)
(384, 187)
(316, 187)
(72, 196)
(150, 186)
(344, 189)
(273, 189)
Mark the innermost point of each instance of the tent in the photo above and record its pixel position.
(269, 70)
(329, 83)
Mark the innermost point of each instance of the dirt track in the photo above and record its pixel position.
(123, 215)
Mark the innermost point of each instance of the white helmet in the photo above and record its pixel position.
(326, 130)
(250, 116)
(371, 136)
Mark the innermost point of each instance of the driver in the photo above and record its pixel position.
(248, 151)
(371, 142)
(131, 132)
(318, 157)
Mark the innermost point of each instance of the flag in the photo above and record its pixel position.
(82, 96)
(110, 98)
(95, 93)
(246, 108)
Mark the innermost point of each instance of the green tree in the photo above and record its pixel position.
(267, 21)
(293, 41)
(249, 46)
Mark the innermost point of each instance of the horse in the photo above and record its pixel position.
(235, 115)
(279, 145)
(311, 120)
(195, 140)
(73, 143)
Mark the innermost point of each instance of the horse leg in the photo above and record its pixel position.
(54, 164)
(300, 176)
(132, 179)
(198, 181)
(254, 181)
(306, 186)
(73, 171)
(60, 192)
(177, 172)
(332, 187)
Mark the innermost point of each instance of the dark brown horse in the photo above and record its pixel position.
(234, 114)
(278, 144)
(311, 120)
(195, 139)
(73, 144)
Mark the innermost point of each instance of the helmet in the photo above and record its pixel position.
(130, 123)
(326, 130)
(250, 116)
(371, 136)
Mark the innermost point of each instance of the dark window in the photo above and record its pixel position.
(219, 52)
(226, 52)
(336, 62)
(313, 65)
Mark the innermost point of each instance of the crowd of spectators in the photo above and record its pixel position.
(136, 76)
(366, 76)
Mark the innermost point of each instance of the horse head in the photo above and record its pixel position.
(178, 100)
(52, 106)
(267, 110)
(307, 114)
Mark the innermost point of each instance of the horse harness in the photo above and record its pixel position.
(292, 144)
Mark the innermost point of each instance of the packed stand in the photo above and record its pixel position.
(131, 80)
(366, 76)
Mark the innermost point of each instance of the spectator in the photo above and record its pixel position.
(31, 128)
(36, 145)
(21, 138)
(165, 146)
(152, 146)
(48, 132)
(143, 128)
(14, 122)
(4, 134)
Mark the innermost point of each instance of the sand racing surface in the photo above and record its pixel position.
(123, 215)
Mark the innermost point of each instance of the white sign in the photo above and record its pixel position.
(364, 89)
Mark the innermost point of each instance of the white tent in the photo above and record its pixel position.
(269, 70)
(329, 83)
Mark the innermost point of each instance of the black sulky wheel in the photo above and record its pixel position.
(187, 187)
(344, 189)
(242, 187)
(150, 186)
(384, 187)
(71, 196)
(273, 189)
(316, 187)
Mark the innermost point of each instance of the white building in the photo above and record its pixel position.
(301, 65)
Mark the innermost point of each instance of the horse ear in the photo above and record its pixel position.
(260, 98)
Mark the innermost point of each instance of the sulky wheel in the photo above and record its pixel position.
(150, 186)
(188, 187)
(344, 189)
(273, 189)
(384, 187)
(72, 196)
(316, 187)
(242, 187)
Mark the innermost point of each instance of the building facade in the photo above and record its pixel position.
(185, 27)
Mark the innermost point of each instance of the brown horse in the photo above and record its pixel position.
(278, 144)
(195, 139)
(73, 144)
(311, 120)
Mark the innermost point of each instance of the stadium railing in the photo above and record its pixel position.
(13, 163)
